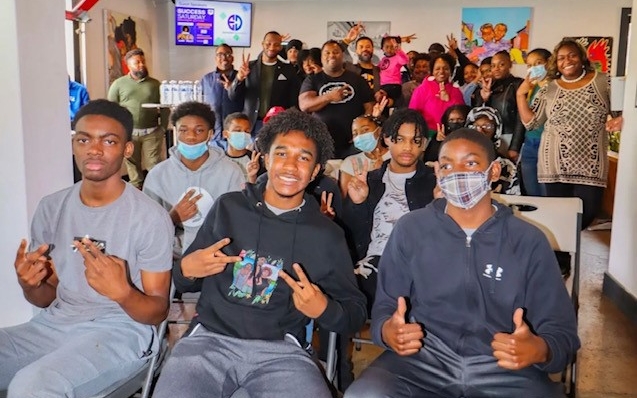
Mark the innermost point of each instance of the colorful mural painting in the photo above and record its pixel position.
(485, 31)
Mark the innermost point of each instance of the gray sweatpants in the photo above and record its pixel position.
(41, 358)
(438, 372)
(207, 364)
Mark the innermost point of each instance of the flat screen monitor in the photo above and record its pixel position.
(211, 23)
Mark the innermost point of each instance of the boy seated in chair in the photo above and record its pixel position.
(265, 261)
(477, 310)
(99, 266)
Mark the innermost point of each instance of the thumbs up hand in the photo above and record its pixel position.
(404, 338)
(521, 348)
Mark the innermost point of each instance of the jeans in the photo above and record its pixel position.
(528, 167)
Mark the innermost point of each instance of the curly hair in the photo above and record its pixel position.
(113, 110)
(551, 66)
(193, 108)
(400, 117)
(293, 119)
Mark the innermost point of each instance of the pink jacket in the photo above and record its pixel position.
(390, 68)
(425, 100)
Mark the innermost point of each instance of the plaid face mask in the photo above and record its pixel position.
(465, 189)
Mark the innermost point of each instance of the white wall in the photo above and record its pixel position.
(36, 156)
(430, 20)
(623, 251)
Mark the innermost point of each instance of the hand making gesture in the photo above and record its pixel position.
(440, 132)
(186, 208)
(326, 204)
(307, 297)
(452, 45)
(106, 274)
(252, 167)
(225, 82)
(208, 261)
(357, 188)
(379, 106)
(404, 338)
(408, 38)
(244, 70)
(485, 88)
(353, 33)
(32, 268)
(521, 348)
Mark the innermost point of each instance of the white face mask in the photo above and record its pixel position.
(465, 189)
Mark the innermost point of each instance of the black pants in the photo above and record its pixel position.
(591, 197)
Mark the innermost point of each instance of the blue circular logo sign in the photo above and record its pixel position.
(235, 22)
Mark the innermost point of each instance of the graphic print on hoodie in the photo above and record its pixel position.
(253, 283)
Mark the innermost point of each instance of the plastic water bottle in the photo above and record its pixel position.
(164, 92)
(185, 91)
(174, 92)
(197, 91)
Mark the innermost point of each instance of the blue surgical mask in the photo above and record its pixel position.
(239, 140)
(366, 142)
(192, 152)
(537, 72)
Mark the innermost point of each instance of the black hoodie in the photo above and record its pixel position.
(241, 303)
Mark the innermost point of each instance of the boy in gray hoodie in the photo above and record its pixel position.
(194, 176)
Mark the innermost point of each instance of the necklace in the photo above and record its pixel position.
(565, 80)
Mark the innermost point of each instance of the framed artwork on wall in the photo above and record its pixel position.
(485, 31)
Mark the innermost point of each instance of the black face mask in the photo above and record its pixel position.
(453, 126)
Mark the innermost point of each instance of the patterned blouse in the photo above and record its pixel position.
(573, 149)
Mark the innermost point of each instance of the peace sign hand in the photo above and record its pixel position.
(379, 107)
(357, 188)
(186, 208)
(353, 33)
(408, 38)
(252, 168)
(452, 43)
(326, 204)
(307, 297)
(244, 70)
(225, 82)
(32, 268)
(208, 261)
(106, 274)
(485, 90)
(440, 135)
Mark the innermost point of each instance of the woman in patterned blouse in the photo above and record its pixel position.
(572, 158)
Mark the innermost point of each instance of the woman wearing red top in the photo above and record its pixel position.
(437, 92)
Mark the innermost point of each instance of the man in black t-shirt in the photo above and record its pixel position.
(336, 96)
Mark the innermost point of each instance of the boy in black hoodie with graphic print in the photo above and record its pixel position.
(266, 261)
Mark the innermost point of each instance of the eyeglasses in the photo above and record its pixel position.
(488, 127)
(223, 55)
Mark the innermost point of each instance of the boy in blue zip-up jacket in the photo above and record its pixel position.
(479, 308)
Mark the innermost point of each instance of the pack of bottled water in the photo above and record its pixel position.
(174, 92)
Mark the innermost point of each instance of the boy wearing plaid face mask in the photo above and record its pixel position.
(469, 301)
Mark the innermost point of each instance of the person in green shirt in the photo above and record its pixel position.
(131, 91)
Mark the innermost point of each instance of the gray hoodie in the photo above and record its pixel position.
(170, 180)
